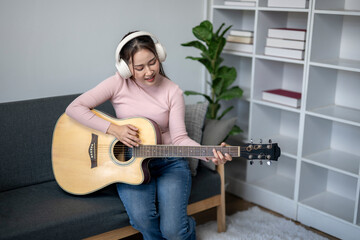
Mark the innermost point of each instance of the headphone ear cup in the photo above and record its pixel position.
(123, 69)
(161, 52)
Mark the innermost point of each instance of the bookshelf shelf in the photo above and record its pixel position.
(227, 7)
(283, 9)
(275, 105)
(317, 178)
(333, 204)
(338, 113)
(329, 158)
(237, 53)
(343, 12)
(280, 59)
(338, 63)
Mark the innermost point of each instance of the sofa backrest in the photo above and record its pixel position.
(26, 129)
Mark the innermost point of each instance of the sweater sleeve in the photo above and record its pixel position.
(179, 135)
(80, 108)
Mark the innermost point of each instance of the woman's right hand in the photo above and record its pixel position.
(127, 134)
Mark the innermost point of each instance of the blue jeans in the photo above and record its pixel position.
(159, 209)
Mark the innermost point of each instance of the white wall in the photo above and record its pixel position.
(58, 47)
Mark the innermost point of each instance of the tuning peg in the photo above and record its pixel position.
(260, 140)
(270, 141)
(268, 163)
(251, 162)
(261, 162)
(251, 141)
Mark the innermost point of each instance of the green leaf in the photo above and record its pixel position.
(193, 58)
(223, 33)
(225, 112)
(225, 76)
(219, 29)
(195, 44)
(205, 55)
(235, 130)
(216, 47)
(187, 93)
(207, 64)
(228, 74)
(217, 84)
(234, 92)
(208, 25)
(203, 32)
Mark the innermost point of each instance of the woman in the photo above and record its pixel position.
(140, 88)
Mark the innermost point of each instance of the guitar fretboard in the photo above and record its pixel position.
(149, 151)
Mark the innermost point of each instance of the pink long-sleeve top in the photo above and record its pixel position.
(162, 103)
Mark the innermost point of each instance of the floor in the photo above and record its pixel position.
(233, 205)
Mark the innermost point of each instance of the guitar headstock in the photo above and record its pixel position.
(268, 152)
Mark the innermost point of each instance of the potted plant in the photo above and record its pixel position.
(211, 45)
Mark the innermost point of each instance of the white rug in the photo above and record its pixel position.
(255, 224)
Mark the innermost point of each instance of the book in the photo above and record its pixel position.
(240, 47)
(241, 33)
(239, 39)
(284, 43)
(283, 52)
(288, 3)
(287, 33)
(284, 97)
(240, 3)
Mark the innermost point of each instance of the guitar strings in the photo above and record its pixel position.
(245, 155)
(172, 146)
(130, 155)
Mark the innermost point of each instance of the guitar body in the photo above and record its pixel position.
(85, 160)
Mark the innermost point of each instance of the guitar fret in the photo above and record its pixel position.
(148, 151)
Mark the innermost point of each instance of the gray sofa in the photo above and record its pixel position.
(33, 206)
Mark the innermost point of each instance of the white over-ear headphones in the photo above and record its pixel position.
(121, 65)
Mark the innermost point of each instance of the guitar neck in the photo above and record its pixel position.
(152, 151)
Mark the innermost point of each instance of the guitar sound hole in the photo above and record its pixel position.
(121, 152)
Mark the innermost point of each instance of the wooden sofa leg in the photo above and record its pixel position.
(221, 214)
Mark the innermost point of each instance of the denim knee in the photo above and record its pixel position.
(176, 232)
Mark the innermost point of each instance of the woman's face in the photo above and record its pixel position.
(145, 67)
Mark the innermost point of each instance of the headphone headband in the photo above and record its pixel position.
(128, 39)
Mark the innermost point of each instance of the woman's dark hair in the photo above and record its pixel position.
(134, 45)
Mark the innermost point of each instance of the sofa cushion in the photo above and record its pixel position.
(205, 184)
(194, 121)
(45, 211)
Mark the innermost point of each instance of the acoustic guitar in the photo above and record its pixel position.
(85, 160)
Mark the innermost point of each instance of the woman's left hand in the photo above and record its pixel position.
(219, 157)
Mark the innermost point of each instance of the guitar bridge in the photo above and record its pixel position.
(93, 150)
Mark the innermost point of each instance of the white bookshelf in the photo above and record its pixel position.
(317, 178)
